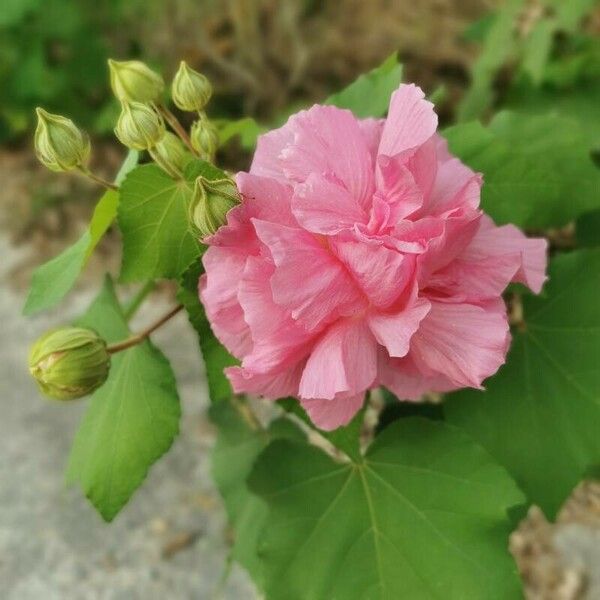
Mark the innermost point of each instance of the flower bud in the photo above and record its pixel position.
(69, 362)
(133, 81)
(139, 126)
(59, 144)
(211, 202)
(170, 155)
(204, 138)
(190, 90)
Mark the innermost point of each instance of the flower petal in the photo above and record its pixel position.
(271, 385)
(411, 121)
(322, 206)
(395, 330)
(308, 280)
(343, 360)
(328, 140)
(269, 146)
(331, 414)
(464, 342)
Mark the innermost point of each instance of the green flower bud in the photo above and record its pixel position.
(59, 144)
(69, 362)
(205, 138)
(139, 126)
(133, 81)
(211, 202)
(190, 90)
(170, 155)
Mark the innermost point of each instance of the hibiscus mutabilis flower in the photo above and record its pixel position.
(359, 257)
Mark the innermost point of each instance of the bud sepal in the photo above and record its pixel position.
(134, 81)
(170, 155)
(140, 126)
(211, 202)
(191, 90)
(205, 138)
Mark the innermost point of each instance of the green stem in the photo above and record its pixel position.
(176, 126)
(136, 339)
(97, 179)
(137, 300)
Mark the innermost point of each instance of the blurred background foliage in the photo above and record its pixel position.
(267, 58)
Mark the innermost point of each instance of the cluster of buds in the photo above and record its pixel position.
(71, 362)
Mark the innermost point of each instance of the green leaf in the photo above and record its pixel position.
(369, 95)
(587, 229)
(247, 129)
(239, 442)
(51, 281)
(540, 415)
(500, 44)
(154, 220)
(216, 358)
(532, 166)
(570, 13)
(132, 419)
(424, 516)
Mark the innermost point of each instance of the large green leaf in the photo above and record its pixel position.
(132, 419)
(216, 357)
(537, 169)
(154, 220)
(540, 416)
(239, 441)
(424, 516)
(369, 95)
(53, 280)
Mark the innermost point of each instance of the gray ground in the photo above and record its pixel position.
(169, 542)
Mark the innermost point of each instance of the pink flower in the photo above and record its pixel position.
(359, 258)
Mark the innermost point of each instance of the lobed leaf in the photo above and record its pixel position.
(540, 415)
(537, 169)
(424, 516)
(132, 419)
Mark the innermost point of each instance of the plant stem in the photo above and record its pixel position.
(176, 126)
(137, 300)
(97, 179)
(140, 337)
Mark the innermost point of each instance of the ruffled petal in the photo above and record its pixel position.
(343, 360)
(381, 273)
(331, 414)
(464, 342)
(272, 385)
(329, 141)
(308, 280)
(322, 206)
(411, 121)
(395, 330)
(269, 146)
(219, 297)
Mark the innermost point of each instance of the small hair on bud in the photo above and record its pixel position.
(211, 202)
(59, 144)
(139, 127)
(191, 90)
(134, 81)
(69, 362)
(205, 138)
(170, 155)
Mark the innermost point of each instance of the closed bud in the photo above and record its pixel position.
(69, 362)
(59, 144)
(190, 90)
(139, 126)
(211, 202)
(170, 155)
(133, 81)
(205, 138)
